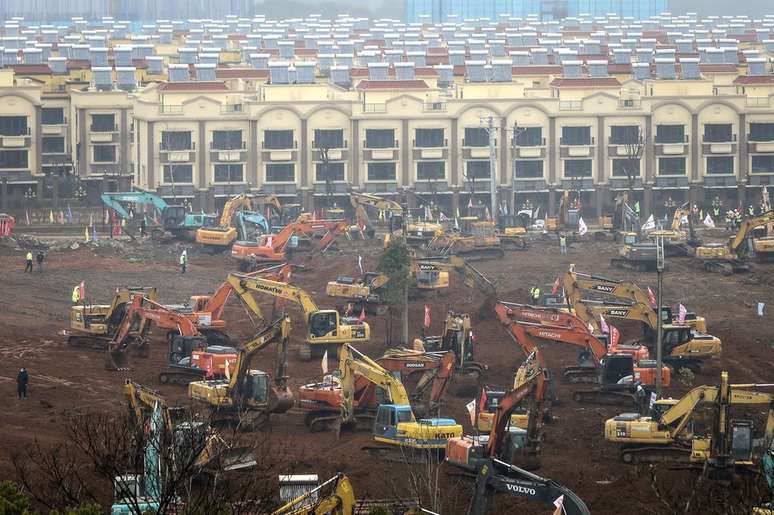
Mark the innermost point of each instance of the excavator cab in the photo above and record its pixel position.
(173, 217)
(323, 323)
(257, 387)
(617, 369)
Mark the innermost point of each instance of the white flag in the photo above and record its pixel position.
(227, 372)
(653, 399)
(709, 222)
(325, 362)
(582, 228)
(456, 224)
(559, 503)
(684, 220)
(649, 224)
(360, 264)
(472, 411)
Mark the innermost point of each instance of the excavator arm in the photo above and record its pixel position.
(582, 339)
(276, 331)
(243, 284)
(509, 312)
(217, 301)
(340, 501)
(637, 311)
(231, 207)
(351, 363)
(606, 286)
(114, 200)
(140, 396)
(747, 226)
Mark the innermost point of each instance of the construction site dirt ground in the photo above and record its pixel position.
(33, 315)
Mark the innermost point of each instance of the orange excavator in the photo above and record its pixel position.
(133, 329)
(322, 401)
(492, 460)
(272, 248)
(618, 376)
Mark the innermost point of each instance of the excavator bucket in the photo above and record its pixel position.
(281, 400)
(116, 359)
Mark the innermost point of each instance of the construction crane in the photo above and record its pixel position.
(173, 219)
(324, 327)
(272, 248)
(321, 401)
(727, 258)
(246, 398)
(492, 461)
(575, 282)
(94, 325)
(667, 434)
(395, 426)
(206, 451)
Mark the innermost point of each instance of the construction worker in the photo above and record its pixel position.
(562, 244)
(39, 257)
(183, 261)
(76, 295)
(22, 378)
(28, 266)
(750, 211)
(143, 226)
(534, 293)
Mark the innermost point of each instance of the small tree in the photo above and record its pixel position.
(633, 149)
(395, 263)
(323, 148)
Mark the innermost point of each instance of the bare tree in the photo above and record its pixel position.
(633, 150)
(323, 148)
(188, 466)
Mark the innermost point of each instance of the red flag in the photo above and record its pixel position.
(482, 401)
(651, 297)
(362, 315)
(615, 335)
(82, 290)
(427, 316)
(681, 314)
(603, 325)
(555, 287)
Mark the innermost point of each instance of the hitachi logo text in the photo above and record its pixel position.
(521, 489)
(548, 334)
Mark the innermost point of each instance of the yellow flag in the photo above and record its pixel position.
(50, 216)
(86, 233)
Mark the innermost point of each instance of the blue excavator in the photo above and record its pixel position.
(173, 219)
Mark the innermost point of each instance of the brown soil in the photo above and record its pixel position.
(33, 313)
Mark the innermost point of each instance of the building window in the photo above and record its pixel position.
(227, 140)
(52, 116)
(329, 138)
(720, 165)
(380, 138)
(429, 138)
(13, 159)
(335, 171)
(577, 168)
(477, 170)
(103, 123)
(176, 140)
(52, 145)
(622, 166)
(763, 164)
(13, 126)
(762, 132)
(528, 169)
(229, 173)
(104, 154)
(178, 174)
(280, 172)
(670, 134)
(529, 137)
(624, 134)
(476, 137)
(431, 170)
(717, 132)
(278, 140)
(576, 136)
(381, 171)
(671, 166)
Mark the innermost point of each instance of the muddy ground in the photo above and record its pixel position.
(33, 314)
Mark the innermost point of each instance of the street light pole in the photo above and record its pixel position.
(659, 324)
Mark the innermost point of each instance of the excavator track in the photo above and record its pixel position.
(181, 376)
(632, 455)
(483, 254)
(605, 397)
(640, 266)
(87, 342)
(580, 374)
(404, 454)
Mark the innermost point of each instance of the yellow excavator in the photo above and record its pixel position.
(476, 240)
(340, 501)
(668, 432)
(395, 426)
(573, 281)
(325, 327)
(727, 258)
(224, 231)
(246, 398)
(94, 325)
(683, 347)
(207, 450)
(391, 209)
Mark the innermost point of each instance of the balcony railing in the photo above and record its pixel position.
(629, 103)
(570, 105)
(374, 108)
(170, 109)
(516, 143)
(232, 109)
(466, 143)
(293, 146)
(367, 147)
(587, 143)
(243, 146)
(343, 146)
(442, 145)
(434, 107)
(166, 148)
(94, 128)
